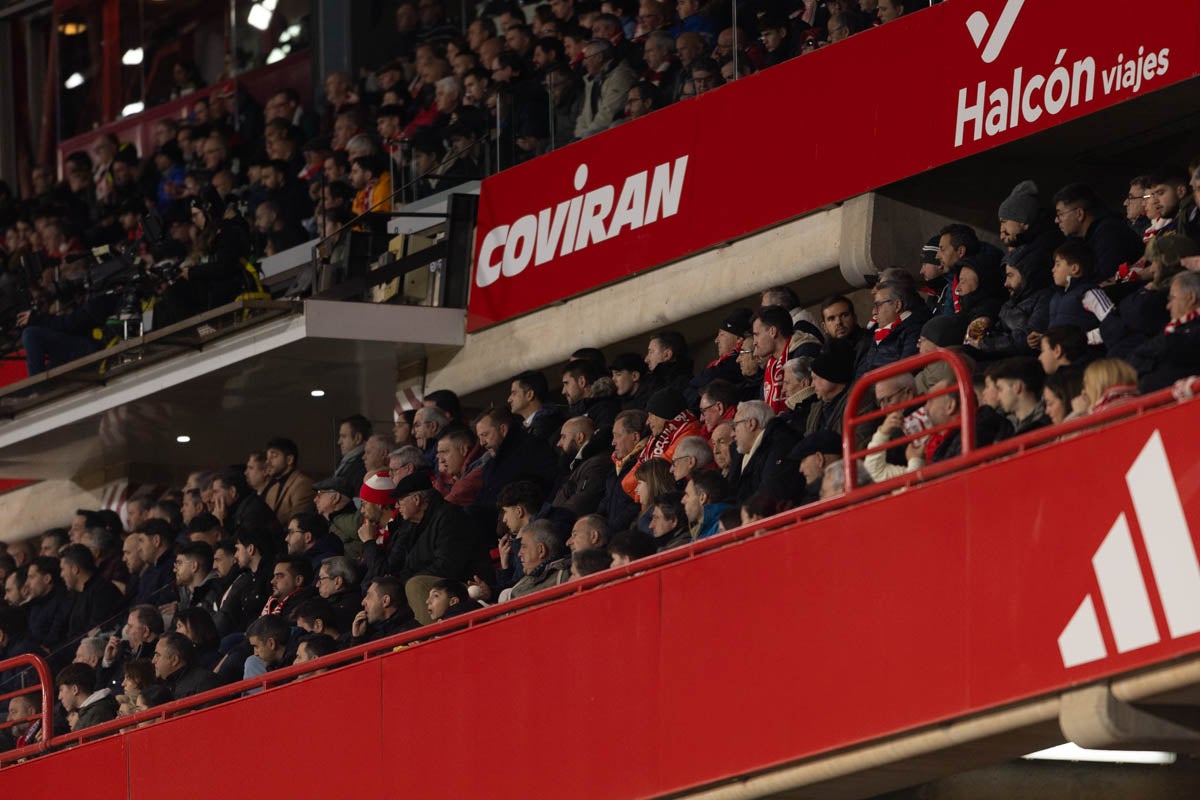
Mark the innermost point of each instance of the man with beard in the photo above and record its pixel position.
(585, 455)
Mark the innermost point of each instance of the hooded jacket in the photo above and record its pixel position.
(1027, 309)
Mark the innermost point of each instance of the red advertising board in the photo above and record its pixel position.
(885, 104)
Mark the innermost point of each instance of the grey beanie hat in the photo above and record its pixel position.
(1022, 204)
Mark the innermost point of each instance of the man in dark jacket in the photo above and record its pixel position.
(668, 361)
(308, 535)
(516, 455)
(527, 399)
(49, 605)
(384, 613)
(1175, 353)
(587, 455)
(832, 373)
(95, 601)
(173, 656)
(897, 329)
(840, 323)
(764, 442)
(238, 507)
(1079, 213)
(1027, 309)
(249, 592)
(438, 541)
(51, 340)
(78, 694)
(337, 583)
(156, 585)
(590, 393)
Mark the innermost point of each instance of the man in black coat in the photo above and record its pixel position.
(49, 604)
(173, 657)
(95, 601)
(763, 443)
(527, 399)
(515, 455)
(1079, 212)
(1175, 353)
(438, 541)
(897, 330)
(587, 454)
(590, 393)
(669, 362)
(249, 592)
(239, 507)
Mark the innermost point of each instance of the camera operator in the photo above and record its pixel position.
(215, 272)
(51, 340)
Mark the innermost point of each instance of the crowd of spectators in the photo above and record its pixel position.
(250, 568)
(246, 569)
(234, 181)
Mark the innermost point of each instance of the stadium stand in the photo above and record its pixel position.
(614, 464)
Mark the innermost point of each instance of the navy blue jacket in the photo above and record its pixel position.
(1112, 243)
(1066, 306)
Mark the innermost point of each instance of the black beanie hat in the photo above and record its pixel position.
(667, 403)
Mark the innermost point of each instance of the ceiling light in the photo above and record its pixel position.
(74, 81)
(277, 55)
(317, 393)
(260, 14)
(72, 28)
(183, 439)
(133, 108)
(1073, 752)
(132, 57)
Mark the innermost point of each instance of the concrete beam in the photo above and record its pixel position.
(1094, 718)
(651, 300)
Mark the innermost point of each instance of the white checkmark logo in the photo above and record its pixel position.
(978, 24)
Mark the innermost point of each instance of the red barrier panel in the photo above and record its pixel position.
(760, 151)
(272, 744)
(1029, 574)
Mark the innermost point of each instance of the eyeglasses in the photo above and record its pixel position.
(878, 304)
(1138, 196)
(322, 578)
(707, 408)
(737, 422)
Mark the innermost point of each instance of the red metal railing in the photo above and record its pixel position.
(852, 421)
(781, 523)
(45, 687)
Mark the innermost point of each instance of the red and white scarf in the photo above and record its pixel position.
(772, 385)
(1174, 324)
(882, 332)
(656, 447)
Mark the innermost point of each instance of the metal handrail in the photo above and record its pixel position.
(46, 685)
(778, 524)
(852, 420)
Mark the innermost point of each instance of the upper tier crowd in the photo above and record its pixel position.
(437, 106)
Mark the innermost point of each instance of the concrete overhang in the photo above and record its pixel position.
(231, 395)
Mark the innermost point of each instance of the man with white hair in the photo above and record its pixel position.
(764, 440)
(541, 558)
(833, 483)
(429, 423)
(893, 393)
(693, 453)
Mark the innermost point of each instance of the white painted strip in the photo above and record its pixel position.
(1168, 540)
(1081, 641)
(1124, 590)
